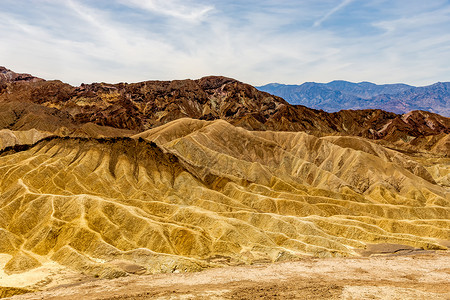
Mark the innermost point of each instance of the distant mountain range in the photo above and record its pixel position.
(339, 94)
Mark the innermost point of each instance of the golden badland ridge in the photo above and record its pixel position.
(192, 194)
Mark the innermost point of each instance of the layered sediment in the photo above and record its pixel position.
(194, 194)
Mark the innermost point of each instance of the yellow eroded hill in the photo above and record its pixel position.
(183, 195)
(9, 138)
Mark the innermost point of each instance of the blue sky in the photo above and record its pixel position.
(253, 41)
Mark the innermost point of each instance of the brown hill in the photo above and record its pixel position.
(8, 76)
(24, 116)
(145, 105)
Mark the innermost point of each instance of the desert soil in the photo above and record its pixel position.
(414, 276)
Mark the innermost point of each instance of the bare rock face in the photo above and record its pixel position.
(141, 106)
(8, 76)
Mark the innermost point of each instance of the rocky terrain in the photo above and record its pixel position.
(339, 94)
(119, 180)
(100, 109)
(8, 76)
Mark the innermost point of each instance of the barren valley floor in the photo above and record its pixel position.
(424, 275)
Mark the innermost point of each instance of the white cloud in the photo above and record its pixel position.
(332, 12)
(184, 10)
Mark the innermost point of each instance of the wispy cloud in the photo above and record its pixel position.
(332, 12)
(185, 10)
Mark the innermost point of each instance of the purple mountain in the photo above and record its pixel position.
(338, 95)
